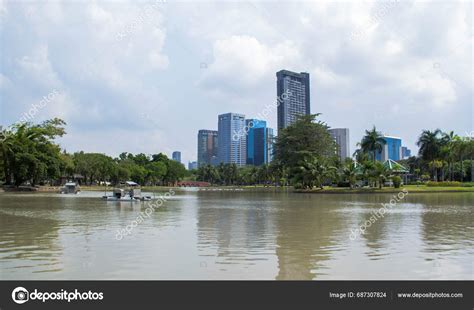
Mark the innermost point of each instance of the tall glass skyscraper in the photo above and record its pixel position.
(391, 150)
(270, 140)
(176, 156)
(297, 100)
(232, 139)
(207, 147)
(258, 142)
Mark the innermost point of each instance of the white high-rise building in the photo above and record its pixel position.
(232, 139)
(341, 136)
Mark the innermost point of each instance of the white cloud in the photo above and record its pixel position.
(242, 62)
(153, 72)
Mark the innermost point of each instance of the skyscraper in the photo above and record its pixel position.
(341, 136)
(391, 150)
(176, 156)
(270, 140)
(258, 142)
(406, 152)
(207, 147)
(232, 139)
(297, 100)
(192, 165)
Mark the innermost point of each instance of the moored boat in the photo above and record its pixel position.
(129, 191)
(70, 188)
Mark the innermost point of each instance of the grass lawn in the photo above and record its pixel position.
(409, 188)
(326, 190)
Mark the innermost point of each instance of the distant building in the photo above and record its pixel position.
(207, 147)
(176, 156)
(391, 150)
(270, 141)
(259, 140)
(297, 102)
(341, 136)
(192, 165)
(232, 139)
(406, 152)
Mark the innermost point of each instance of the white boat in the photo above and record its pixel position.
(131, 192)
(70, 188)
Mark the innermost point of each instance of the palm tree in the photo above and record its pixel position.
(448, 151)
(372, 142)
(6, 150)
(430, 144)
(349, 172)
(461, 148)
(264, 174)
(380, 173)
(313, 172)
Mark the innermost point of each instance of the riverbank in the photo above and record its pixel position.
(325, 190)
(409, 188)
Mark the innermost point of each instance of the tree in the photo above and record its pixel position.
(175, 171)
(312, 172)
(372, 142)
(303, 141)
(349, 172)
(429, 143)
(448, 151)
(67, 166)
(28, 152)
(156, 171)
(380, 173)
(6, 152)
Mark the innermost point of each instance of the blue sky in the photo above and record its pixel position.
(146, 76)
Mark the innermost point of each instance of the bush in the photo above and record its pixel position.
(425, 177)
(343, 184)
(444, 184)
(397, 181)
(415, 183)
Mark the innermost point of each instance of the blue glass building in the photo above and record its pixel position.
(391, 150)
(257, 143)
(176, 156)
(406, 152)
(207, 147)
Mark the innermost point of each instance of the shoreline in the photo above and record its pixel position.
(415, 189)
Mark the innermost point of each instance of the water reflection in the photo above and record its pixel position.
(237, 235)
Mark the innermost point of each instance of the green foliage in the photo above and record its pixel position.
(372, 142)
(306, 150)
(304, 156)
(444, 184)
(348, 172)
(397, 181)
(28, 152)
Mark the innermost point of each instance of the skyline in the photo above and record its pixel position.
(176, 65)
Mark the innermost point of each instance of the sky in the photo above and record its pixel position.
(144, 77)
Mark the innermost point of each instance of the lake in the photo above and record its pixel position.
(237, 235)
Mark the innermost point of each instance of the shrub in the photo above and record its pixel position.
(425, 177)
(444, 184)
(397, 181)
(343, 184)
